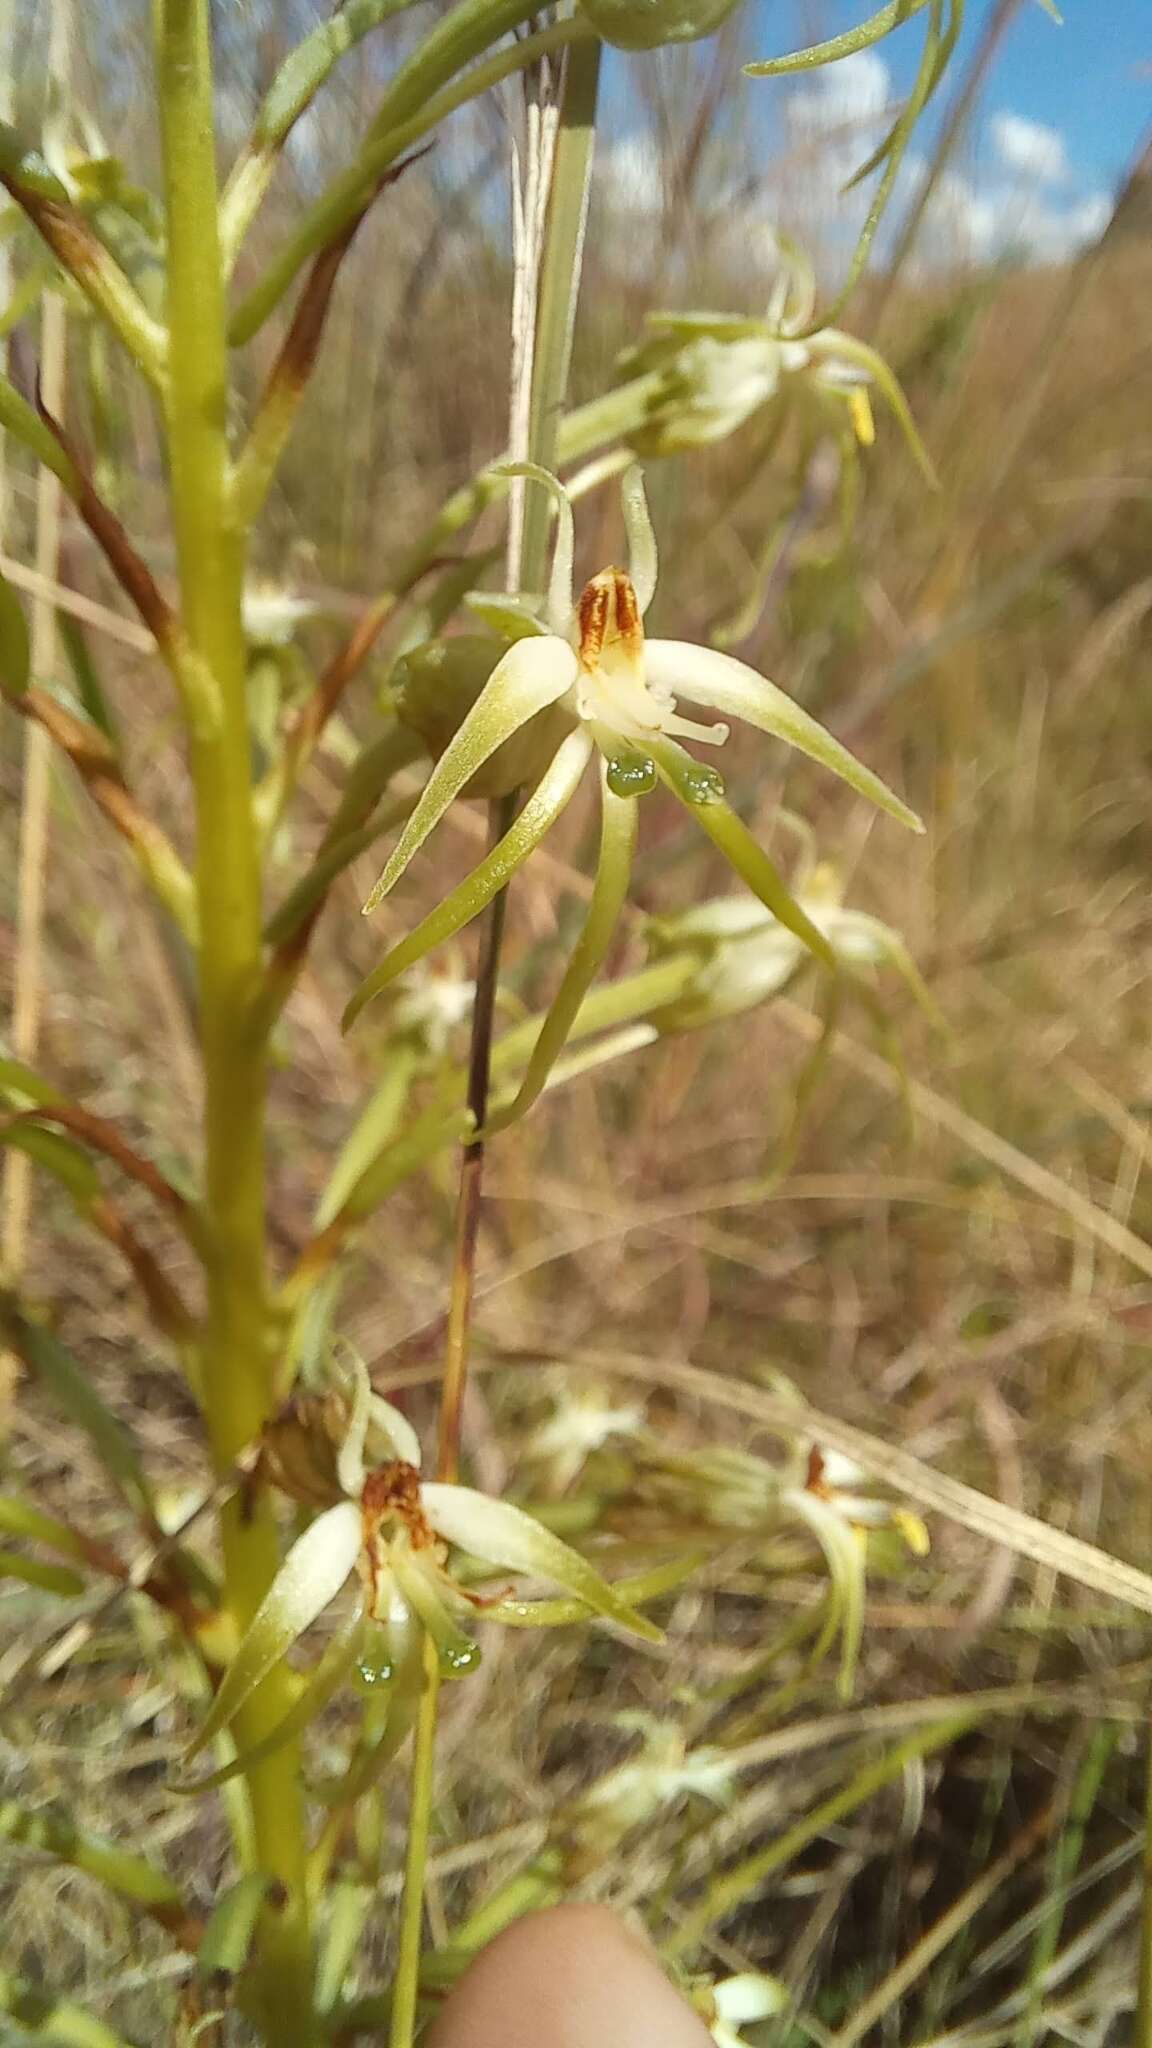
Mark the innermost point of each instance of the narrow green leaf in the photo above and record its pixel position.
(861, 37)
(21, 420)
(20, 1518)
(15, 657)
(429, 1135)
(505, 1536)
(21, 1087)
(48, 1578)
(636, 1590)
(375, 1128)
(227, 1939)
(66, 1161)
(65, 1379)
(39, 2015)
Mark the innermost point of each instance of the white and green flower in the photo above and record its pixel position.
(620, 694)
(747, 956)
(392, 1532)
(718, 369)
(737, 2002)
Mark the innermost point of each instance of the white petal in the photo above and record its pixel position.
(503, 1535)
(729, 685)
(310, 1576)
(402, 1438)
(751, 1996)
(533, 674)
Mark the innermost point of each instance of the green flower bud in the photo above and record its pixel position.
(436, 686)
(649, 24)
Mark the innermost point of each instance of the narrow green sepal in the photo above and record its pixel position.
(505, 1536)
(619, 816)
(470, 897)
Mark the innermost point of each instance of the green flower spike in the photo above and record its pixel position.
(394, 1533)
(619, 691)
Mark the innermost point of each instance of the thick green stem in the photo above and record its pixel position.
(237, 1365)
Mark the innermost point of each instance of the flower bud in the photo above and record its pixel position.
(437, 685)
(649, 24)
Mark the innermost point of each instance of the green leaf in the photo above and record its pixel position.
(504, 1535)
(89, 688)
(20, 1518)
(310, 1577)
(375, 1128)
(66, 1161)
(430, 1134)
(641, 1587)
(48, 1578)
(21, 1087)
(15, 656)
(65, 1379)
(861, 37)
(227, 1939)
(20, 420)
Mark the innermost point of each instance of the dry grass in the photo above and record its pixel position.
(987, 650)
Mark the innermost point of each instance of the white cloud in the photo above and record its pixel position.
(1029, 148)
(849, 94)
(631, 174)
(978, 222)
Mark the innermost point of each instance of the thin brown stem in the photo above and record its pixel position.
(471, 1186)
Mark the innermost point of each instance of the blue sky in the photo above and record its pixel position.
(1090, 79)
(1057, 125)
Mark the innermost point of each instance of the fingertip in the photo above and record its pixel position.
(573, 1976)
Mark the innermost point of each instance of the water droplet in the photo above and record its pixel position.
(701, 784)
(373, 1672)
(631, 775)
(457, 1659)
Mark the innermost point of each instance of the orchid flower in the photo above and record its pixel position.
(619, 692)
(740, 2001)
(748, 956)
(839, 1516)
(720, 368)
(391, 1530)
(663, 1772)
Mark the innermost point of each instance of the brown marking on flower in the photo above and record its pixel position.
(394, 1490)
(608, 616)
(814, 1480)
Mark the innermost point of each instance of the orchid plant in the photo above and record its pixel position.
(318, 1566)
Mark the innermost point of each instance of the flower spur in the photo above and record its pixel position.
(619, 694)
